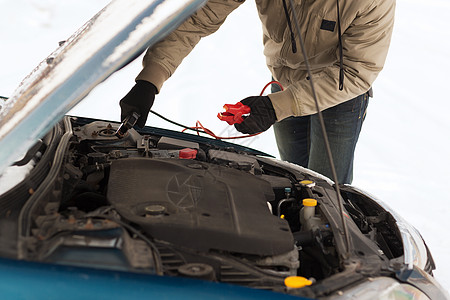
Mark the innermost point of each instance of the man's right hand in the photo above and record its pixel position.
(139, 99)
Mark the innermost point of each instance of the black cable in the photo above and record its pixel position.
(175, 123)
(324, 132)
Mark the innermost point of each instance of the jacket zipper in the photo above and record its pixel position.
(286, 44)
(288, 19)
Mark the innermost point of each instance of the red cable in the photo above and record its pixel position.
(199, 125)
(272, 82)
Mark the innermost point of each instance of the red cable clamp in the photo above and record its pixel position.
(233, 113)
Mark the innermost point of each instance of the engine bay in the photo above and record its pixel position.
(157, 204)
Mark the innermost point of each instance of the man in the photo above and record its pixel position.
(345, 54)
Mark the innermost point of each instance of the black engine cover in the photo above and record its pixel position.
(198, 205)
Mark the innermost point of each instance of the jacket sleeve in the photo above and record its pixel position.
(161, 61)
(365, 46)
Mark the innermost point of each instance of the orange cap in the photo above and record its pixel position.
(309, 202)
(296, 282)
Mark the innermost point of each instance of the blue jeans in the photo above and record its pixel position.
(300, 139)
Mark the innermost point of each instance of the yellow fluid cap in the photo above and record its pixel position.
(309, 202)
(282, 216)
(306, 182)
(296, 282)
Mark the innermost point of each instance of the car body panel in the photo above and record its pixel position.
(22, 280)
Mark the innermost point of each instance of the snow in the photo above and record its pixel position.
(402, 154)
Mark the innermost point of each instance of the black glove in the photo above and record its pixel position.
(262, 115)
(139, 99)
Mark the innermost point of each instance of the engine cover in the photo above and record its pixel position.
(198, 205)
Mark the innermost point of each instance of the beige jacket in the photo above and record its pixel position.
(366, 32)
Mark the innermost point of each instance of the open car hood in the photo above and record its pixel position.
(107, 42)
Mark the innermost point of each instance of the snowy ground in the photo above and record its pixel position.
(402, 155)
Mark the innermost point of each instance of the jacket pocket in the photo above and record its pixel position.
(319, 28)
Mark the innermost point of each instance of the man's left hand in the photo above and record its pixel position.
(262, 115)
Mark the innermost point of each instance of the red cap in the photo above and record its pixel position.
(187, 153)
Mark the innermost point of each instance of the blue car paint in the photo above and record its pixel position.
(31, 280)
